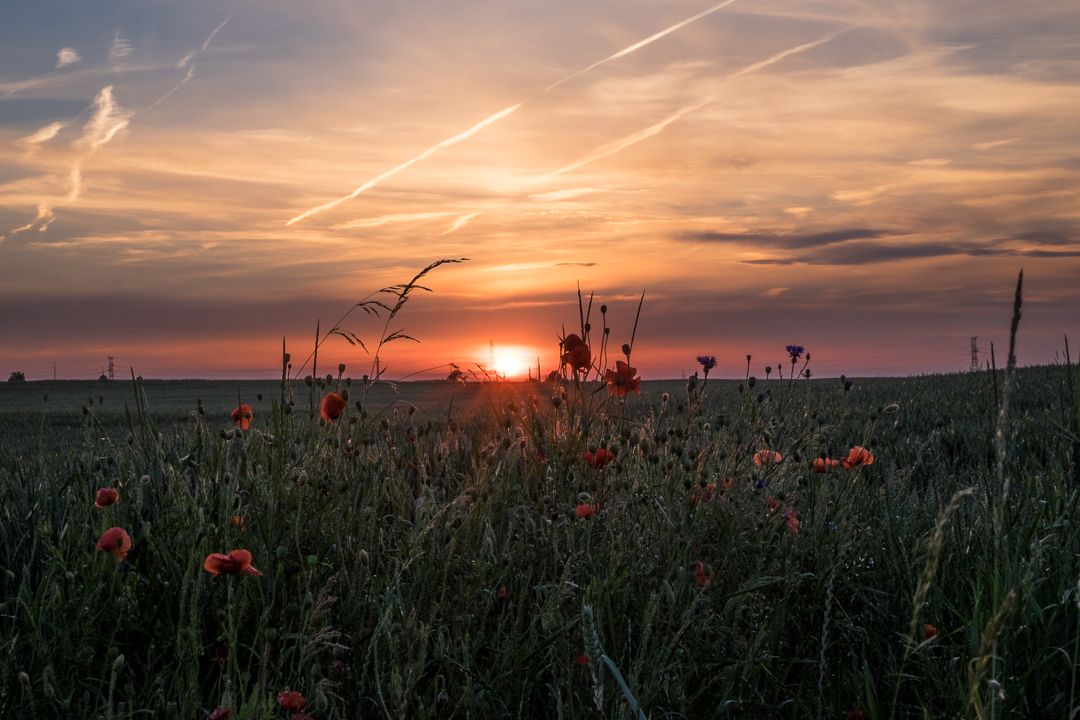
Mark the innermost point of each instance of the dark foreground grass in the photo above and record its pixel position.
(431, 562)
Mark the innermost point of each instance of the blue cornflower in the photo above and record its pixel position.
(795, 351)
(708, 362)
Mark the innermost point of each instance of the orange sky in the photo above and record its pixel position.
(862, 178)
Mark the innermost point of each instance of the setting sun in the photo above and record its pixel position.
(512, 362)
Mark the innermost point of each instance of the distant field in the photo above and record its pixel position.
(541, 551)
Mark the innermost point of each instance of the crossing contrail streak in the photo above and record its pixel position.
(640, 44)
(503, 113)
(609, 149)
(408, 163)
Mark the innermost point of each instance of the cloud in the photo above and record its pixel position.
(107, 119)
(67, 56)
(44, 133)
(119, 51)
(786, 239)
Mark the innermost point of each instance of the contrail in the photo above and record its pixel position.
(615, 146)
(461, 222)
(619, 145)
(500, 115)
(786, 54)
(640, 44)
(408, 163)
(184, 61)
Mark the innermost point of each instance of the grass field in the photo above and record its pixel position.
(465, 550)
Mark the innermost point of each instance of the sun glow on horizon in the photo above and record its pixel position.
(512, 361)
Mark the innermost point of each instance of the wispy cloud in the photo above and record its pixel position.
(640, 44)
(461, 222)
(206, 43)
(107, 119)
(460, 137)
(44, 133)
(67, 56)
(119, 51)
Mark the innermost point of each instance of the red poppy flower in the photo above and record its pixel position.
(291, 700)
(702, 494)
(115, 540)
(220, 713)
(232, 563)
(792, 519)
(772, 503)
(331, 407)
(241, 416)
(582, 659)
(929, 631)
(767, 458)
(856, 713)
(585, 510)
(622, 380)
(858, 456)
(576, 353)
(598, 459)
(824, 465)
(106, 497)
(701, 578)
(502, 594)
(237, 521)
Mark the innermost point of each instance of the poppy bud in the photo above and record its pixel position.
(287, 357)
(24, 680)
(341, 368)
(752, 381)
(308, 380)
(626, 349)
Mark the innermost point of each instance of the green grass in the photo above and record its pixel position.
(384, 540)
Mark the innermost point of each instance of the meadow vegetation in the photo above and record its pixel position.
(582, 547)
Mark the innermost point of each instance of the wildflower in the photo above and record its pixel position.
(767, 458)
(241, 416)
(301, 716)
(220, 713)
(331, 407)
(858, 456)
(115, 540)
(796, 352)
(291, 700)
(238, 522)
(701, 578)
(582, 659)
(929, 631)
(232, 563)
(622, 380)
(598, 459)
(708, 362)
(856, 713)
(702, 494)
(576, 353)
(824, 465)
(503, 594)
(791, 518)
(772, 504)
(585, 510)
(106, 497)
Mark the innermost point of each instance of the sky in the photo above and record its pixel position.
(185, 183)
